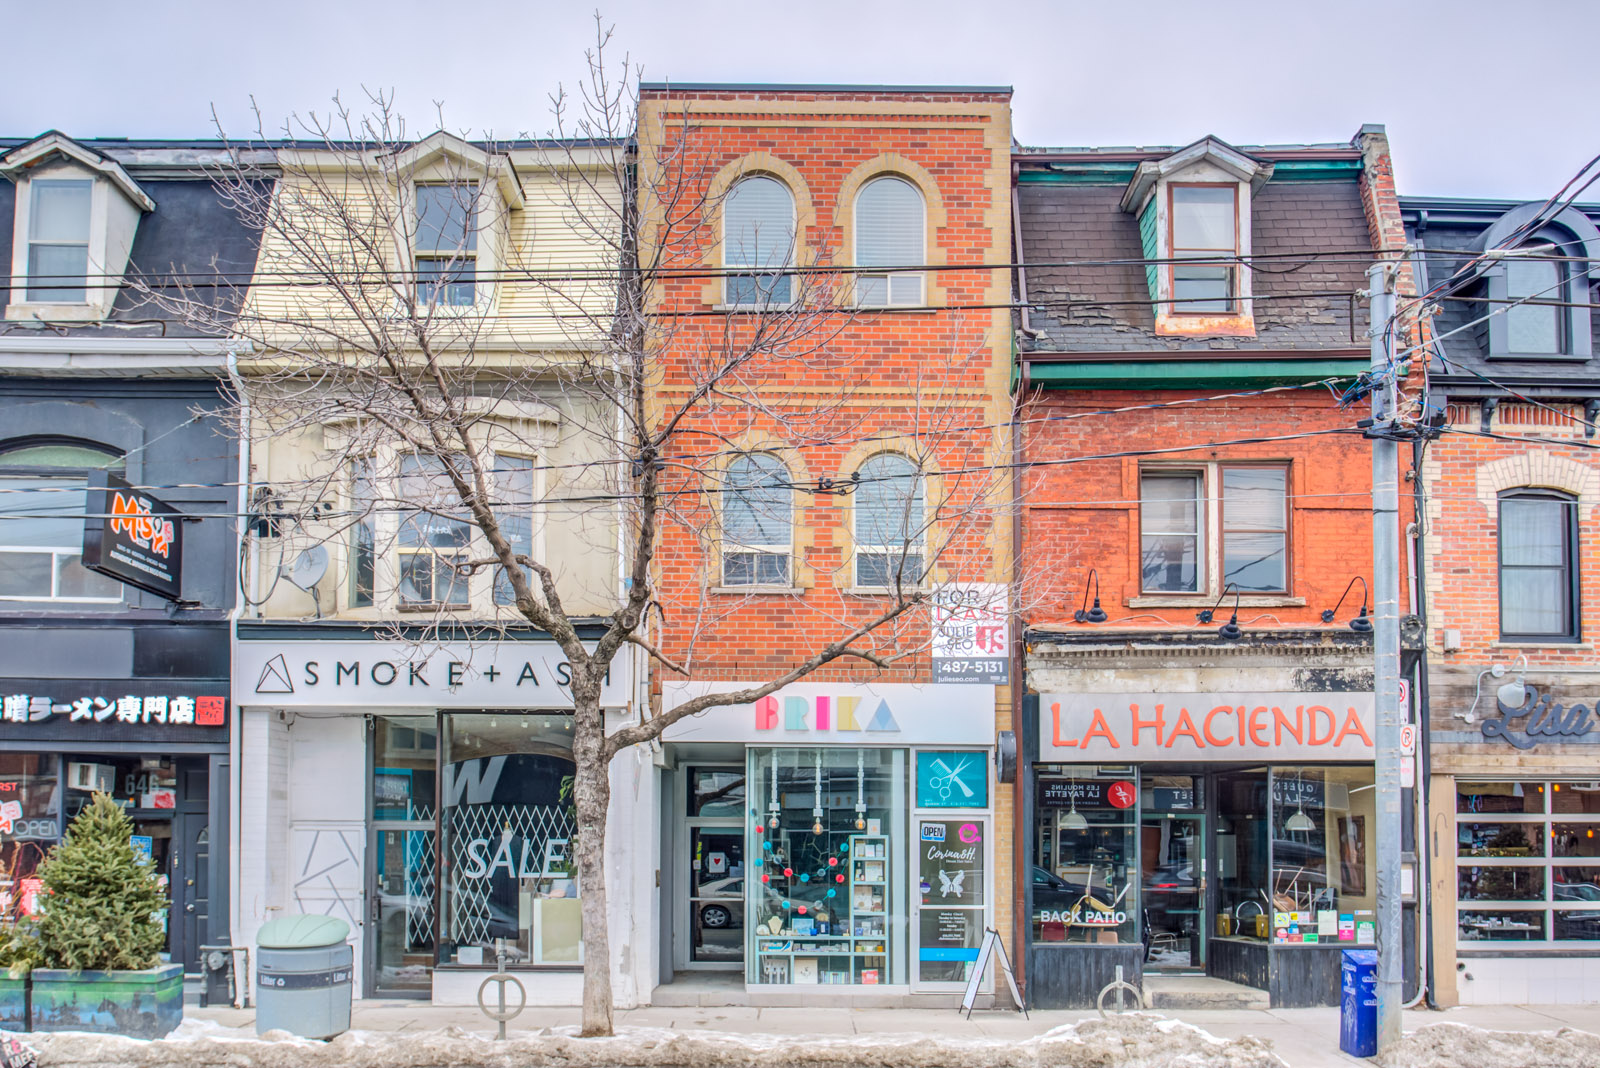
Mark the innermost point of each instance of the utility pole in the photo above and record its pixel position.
(1386, 649)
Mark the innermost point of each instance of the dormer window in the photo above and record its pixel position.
(446, 244)
(1537, 301)
(453, 218)
(58, 240)
(1537, 325)
(1192, 209)
(76, 215)
(1205, 230)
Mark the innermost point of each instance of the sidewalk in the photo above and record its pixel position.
(1305, 1038)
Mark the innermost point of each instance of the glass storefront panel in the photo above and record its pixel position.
(716, 792)
(135, 782)
(1242, 843)
(1172, 870)
(403, 880)
(716, 894)
(1574, 840)
(951, 875)
(404, 766)
(1478, 925)
(1548, 837)
(508, 824)
(1504, 882)
(1084, 854)
(1574, 799)
(825, 899)
(31, 795)
(1324, 876)
(1499, 839)
(1493, 797)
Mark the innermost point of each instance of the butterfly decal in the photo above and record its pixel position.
(951, 885)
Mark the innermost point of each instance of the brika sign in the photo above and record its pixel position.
(825, 712)
(1125, 727)
(838, 713)
(132, 537)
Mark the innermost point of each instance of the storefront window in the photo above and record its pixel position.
(508, 825)
(30, 799)
(1528, 862)
(1324, 882)
(1084, 854)
(826, 897)
(149, 783)
(404, 758)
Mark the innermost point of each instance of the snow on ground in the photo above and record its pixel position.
(1136, 1040)
(1450, 1045)
(1132, 1041)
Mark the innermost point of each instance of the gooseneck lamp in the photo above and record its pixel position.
(1229, 631)
(1360, 624)
(1095, 614)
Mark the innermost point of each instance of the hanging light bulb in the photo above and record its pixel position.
(1299, 821)
(772, 804)
(861, 793)
(1074, 820)
(816, 807)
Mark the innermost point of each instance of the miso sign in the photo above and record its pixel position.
(132, 536)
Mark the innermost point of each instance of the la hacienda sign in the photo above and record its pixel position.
(1121, 727)
(505, 674)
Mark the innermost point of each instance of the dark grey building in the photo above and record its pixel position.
(106, 686)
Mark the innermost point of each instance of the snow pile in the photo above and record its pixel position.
(1451, 1045)
(1132, 1041)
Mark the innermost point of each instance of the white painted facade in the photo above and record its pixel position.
(304, 816)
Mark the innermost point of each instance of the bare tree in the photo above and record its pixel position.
(372, 342)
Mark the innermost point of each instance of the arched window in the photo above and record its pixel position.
(891, 231)
(1538, 566)
(758, 233)
(888, 522)
(757, 522)
(42, 499)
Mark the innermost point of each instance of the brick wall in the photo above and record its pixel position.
(929, 383)
(1085, 515)
(1463, 476)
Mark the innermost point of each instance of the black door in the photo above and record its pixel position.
(191, 892)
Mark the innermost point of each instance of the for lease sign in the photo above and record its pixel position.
(1122, 727)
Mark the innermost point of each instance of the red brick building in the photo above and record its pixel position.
(1507, 556)
(833, 334)
(1199, 726)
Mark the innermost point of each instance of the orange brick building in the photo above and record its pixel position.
(829, 296)
(1196, 786)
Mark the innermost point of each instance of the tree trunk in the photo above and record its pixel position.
(591, 794)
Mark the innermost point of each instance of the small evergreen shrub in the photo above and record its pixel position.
(100, 903)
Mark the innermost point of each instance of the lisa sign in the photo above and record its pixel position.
(132, 536)
(1121, 727)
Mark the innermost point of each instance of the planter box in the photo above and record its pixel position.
(13, 1003)
(143, 1004)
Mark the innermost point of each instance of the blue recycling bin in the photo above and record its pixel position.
(1358, 1003)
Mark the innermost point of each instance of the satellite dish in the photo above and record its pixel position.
(308, 568)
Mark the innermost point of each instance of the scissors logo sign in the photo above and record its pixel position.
(952, 780)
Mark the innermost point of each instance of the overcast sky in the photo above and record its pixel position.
(1479, 97)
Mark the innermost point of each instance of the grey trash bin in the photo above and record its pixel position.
(304, 970)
